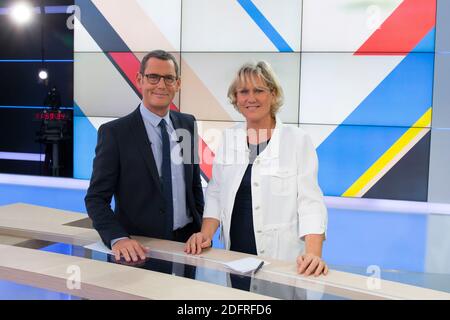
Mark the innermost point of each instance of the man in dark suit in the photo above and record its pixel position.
(148, 161)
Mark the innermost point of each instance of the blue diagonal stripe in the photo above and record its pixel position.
(265, 25)
(374, 126)
(401, 98)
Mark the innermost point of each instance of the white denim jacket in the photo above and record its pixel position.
(287, 201)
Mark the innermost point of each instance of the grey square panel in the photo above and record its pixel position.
(443, 26)
(438, 187)
(206, 77)
(441, 95)
(438, 244)
(103, 90)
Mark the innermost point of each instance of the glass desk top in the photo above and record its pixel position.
(185, 266)
(176, 265)
(181, 266)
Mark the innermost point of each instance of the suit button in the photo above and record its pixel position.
(161, 211)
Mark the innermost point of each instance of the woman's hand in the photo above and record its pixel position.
(196, 243)
(309, 264)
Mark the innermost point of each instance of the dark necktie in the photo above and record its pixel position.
(167, 178)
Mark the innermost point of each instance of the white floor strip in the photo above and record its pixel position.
(357, 204)
(22, 156)
(397, 206)
(47, 182)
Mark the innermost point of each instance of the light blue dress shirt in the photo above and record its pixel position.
(151, 122)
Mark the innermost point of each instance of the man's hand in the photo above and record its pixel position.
(196, 243)
(309, 264)
(130, 249)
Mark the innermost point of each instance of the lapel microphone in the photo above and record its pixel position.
(180, 139)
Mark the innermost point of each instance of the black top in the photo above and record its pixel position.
(242, 235)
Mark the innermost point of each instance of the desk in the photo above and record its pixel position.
(101, 279)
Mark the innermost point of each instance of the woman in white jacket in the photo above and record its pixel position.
(264, 192)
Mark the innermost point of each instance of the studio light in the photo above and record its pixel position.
(43, 75)
(21, 12)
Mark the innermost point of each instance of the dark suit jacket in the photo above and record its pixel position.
(124, 166)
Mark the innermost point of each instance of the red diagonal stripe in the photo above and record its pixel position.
(206, 158)
(403, 29)
(128, 66)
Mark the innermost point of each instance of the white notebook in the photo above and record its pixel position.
(245, 265)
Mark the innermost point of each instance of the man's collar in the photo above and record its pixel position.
(153, 118)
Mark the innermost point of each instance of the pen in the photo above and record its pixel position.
(259, 267)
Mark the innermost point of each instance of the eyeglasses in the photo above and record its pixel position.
(154, 78)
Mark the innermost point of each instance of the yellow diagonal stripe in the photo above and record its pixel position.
(395, 149)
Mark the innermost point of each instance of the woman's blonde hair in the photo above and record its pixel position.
(261, 70)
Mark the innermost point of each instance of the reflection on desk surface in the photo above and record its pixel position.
(434, 281)
(244, 282)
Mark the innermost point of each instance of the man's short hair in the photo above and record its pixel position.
(161, 55)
